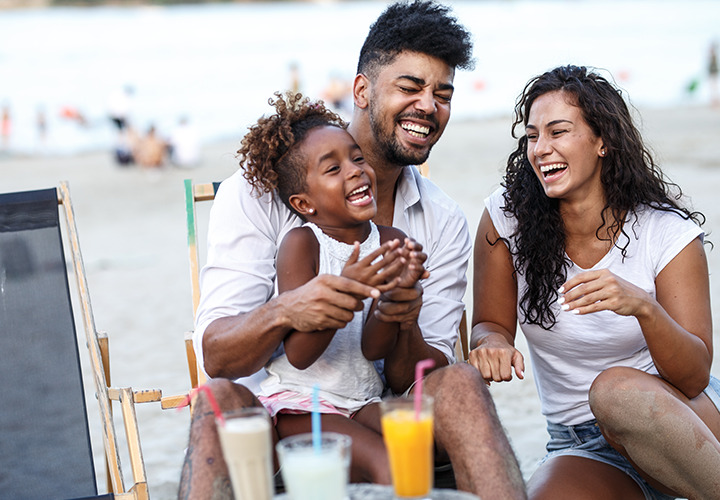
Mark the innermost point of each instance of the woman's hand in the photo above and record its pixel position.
(495, 359)
(601, 290)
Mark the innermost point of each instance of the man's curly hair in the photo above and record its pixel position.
(268, 156)
(631, 180)
(418, 26)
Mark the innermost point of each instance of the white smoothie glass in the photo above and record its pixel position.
(315, 469)
(247, 448)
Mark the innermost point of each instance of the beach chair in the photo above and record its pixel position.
(45, 444)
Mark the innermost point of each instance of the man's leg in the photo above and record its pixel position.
(204, 473)
(467, 428)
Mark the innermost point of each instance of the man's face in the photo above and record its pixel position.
(409, 106)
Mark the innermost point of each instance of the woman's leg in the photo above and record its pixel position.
(369, 461)
(666, 436)
(568, 477)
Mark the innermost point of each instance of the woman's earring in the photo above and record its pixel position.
(311, 211)
(602, 152)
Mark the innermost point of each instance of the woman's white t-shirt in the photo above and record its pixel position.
(567, 359)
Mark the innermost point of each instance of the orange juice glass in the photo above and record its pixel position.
(409, 442)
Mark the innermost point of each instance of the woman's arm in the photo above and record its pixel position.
(494, 307)
(677, 325)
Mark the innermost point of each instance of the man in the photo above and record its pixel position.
(402, 96)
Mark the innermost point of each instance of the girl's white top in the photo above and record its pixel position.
(345, 377)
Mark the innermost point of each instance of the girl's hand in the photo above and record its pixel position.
(415, 258)
(383, 274)
(495, 359)
(601, 290)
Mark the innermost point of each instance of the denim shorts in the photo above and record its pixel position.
(585, 440)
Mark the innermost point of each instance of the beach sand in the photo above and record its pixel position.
(132, 233)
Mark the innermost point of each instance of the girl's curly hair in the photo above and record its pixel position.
(268, 156)
(630, 179)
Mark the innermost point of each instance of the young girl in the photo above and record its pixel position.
(304, 151)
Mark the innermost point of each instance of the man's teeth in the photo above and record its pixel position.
(554, 166)
(415, 129)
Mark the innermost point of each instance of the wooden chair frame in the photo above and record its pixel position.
(97, 344)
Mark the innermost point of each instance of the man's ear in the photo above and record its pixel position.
(302, 205)
(361, 87)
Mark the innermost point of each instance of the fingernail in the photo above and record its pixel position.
(575, 311)
(561, 289)
(561, 300)
(565, 307)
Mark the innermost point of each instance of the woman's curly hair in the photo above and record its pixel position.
(268, 156)
(630, 180)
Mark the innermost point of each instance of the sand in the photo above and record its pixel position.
(132, 233)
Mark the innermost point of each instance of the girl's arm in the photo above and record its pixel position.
(494, 307)
(379, 337)
(297, 263)
(677, 324)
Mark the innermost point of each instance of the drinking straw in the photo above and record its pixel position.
(420, 368)
(211, 399)
(315, 420)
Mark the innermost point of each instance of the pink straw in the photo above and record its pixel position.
(420, 368)
(211, 398)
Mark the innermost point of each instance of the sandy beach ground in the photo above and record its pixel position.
(132, 233)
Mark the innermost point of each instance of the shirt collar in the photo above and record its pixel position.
(408, 190)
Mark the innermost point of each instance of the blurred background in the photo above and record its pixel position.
(65, 69)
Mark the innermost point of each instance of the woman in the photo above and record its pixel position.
(589, 248)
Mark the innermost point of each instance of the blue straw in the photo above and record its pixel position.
(316, 420)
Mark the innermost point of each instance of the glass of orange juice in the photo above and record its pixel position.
(408, 434)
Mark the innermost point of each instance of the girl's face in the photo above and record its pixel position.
(562, 148)
(340, 185)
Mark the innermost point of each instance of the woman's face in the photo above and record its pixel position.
(565, 153)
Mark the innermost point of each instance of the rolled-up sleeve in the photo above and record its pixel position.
(244, 232)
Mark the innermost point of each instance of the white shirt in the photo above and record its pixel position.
(245, 232)
(567, 358)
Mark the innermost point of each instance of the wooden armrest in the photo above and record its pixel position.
(170, 402)
(142, 396)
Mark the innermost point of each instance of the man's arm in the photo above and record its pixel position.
(240, 345)
(239, 325)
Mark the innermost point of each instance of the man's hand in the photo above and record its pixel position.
(400, 305)
(325, 302)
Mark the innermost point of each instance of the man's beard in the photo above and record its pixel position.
(391, 148)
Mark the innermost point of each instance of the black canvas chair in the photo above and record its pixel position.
(45, 446)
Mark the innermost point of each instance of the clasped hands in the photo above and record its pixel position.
(389, 274)
(394, 269)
